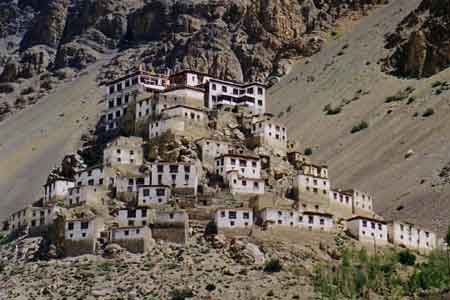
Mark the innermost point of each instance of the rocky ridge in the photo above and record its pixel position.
(420, 45)
(232, 39)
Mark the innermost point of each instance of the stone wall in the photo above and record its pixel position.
(175, 232)
(138, 245)
(75, 248)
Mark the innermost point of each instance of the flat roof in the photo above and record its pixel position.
(182, 87)
(135, 73)
(374, 219)
(238, 83)
(238, 155)
(185, 106)
(234, 208)
(317, 213)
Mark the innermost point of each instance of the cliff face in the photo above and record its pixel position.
(420, 45)
(239, 39)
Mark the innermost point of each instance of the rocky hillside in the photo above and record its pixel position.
(420, 45)
(234, 39)
(383, 134)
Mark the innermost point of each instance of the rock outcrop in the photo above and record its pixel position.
(238, 39)
(420, 46)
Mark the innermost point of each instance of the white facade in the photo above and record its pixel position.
(171, 217)
(130, 233)
(90, 176)
(411, 236)
(313, 179)
(133, 217)
(153, 195)
(271, 134)
(84, 195)
(210, 148)
(244, 185)
(188, 78)
(362, 200)
(83, 229)
(221, 92)
(292, 218)
(31, 216)
(230, 218)
(57, 188)
(247, 166)
(124, 150)
(130, 183)
(180, 175)
(120, 93)
(368, 230)
(178, 119)
(342, 198)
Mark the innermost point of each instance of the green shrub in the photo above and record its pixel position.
(308, 151)
(330, 110)
(406, 258)
(428, 112)
(437, 83)
(181, 294)
(273, 265)
(360, 126)
(411, 100)
(401, 95)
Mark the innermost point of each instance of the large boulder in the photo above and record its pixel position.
(48, 26)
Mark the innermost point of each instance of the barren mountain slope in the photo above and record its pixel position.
(35, 140)
(346, 72)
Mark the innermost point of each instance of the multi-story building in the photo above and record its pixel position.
(343, 198)
(222, 92)
(57, 187)
(239, 184)
(212, 148)
(136, 239)
(139, 216)
(313, 179)
(122, 91)
(180, 120)
(81, 195)
(180, 176)
(310, 220)
(124, 150)
(411, 236)
(83, 229)
(270, 133)
(230, 218)
(246, 165)
(368, 229)
(150, 195)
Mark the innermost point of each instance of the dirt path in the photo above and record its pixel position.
(36, 139)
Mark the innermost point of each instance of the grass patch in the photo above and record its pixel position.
(181, 294)
(331, 110)
(401, 95)
(273, 265)
(428, 112)
(359, 127)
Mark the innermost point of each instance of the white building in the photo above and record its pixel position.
(313, 179)
(246, 165)
(131, 182)
(212, 148)
(244, 185)
(182, 176)
(149, 195)
(189, 78)
(343, 198)
(124, 150)
(361, 200)
(411, 236)
(57, 187)
(134, 216)
(310, 220)
(29, 217)
(221, 92)
(83, 229)
(230, 218)
(136, 239)
(180, 120)
(369, 230)
(271, 133)
(120, 92)
(81, 195)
